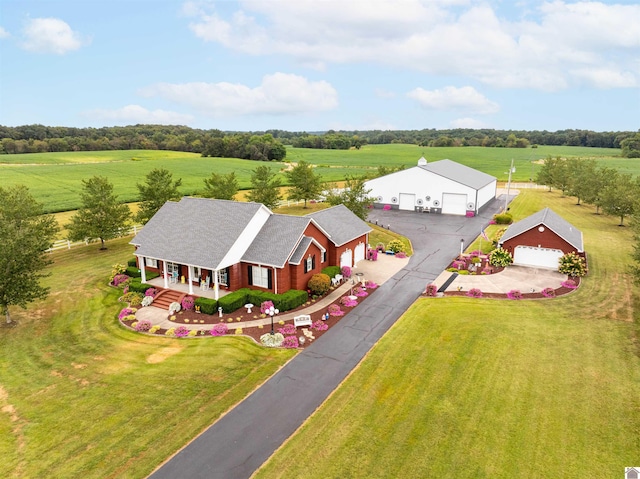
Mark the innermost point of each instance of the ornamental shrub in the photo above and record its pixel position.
(334, 310)
(348, 302)
(346, 272)
(395, 245)
(126, 312)
(474, 293)
(147, 301)
(290, 342)
(170, 332)
(133, 272)
(120, 280)
(386, 207)
(131, 298)
(219, 329)
(380, 247)
(187, 303)
(266, 306)
(272, 340)
(319, 326)
(360, 292)
(116, 269)
(234, 301)
(572, 265)
(174, 307)
(287, 329)
(207, 305)
(151, 292)
(503, 219)
(571, 284)
(154, 329)
(370, 285)
(431, 290)
(143, 326)
(238, 331)
(319, 284)
(514, 294)
(331, 271)
(181, 331)
(132, 262)
(401, 254)
(500, 257)
(136, 285)
(549, 293)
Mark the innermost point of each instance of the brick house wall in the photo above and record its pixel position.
(535, 238)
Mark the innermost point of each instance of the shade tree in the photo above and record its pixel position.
(305, 183)
(221, 187)
(157, 189)
(265, 187)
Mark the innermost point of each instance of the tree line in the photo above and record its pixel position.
(269, 144)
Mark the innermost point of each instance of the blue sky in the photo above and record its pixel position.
(313, 65)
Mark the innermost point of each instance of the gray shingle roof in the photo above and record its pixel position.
(460, 173)
(340, 223)
(551, 220)
(297, 255)
(195, 231)
(276, 241)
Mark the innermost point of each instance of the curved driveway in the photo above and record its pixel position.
(239, 442)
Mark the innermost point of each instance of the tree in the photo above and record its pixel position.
(101, 216)
(634, 269)
(631, 146)
(354, 196)
(601, 178)
(222, 187)
(157, 190)
(266, 187)
(305, 183)
(25, 235)
(581, 173)
(620, 197)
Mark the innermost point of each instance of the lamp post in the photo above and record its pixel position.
(506, 200)
(461, 246)
(271, 312)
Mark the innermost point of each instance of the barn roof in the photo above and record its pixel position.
(550, 220)
(462, 174)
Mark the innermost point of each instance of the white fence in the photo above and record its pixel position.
(66, 244)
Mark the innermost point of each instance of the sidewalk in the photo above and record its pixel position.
(377, 271)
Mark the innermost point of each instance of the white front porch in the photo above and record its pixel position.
(184, 288)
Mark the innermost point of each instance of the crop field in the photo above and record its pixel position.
(494, 388)
(55, 179)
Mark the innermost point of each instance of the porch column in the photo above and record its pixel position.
(164, 271)
(190, 268)
(143, 272)
(215, 284)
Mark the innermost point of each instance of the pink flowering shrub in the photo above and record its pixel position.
(120, 279)
(470, 214)
(401, 255)
(219, 329)
(151, 292)
(486, 271)
(359, 292)
(346, 272)
(373, 254)
(386, 207)
(431, 290)
(571, 284)
(549, 293)
(370, 285)
(126, 312)
(474, 293)
(181, 331)
(492, 221)
(514, 294)
(188, 302)
(290, 342)
(265, 306)
(334, 310)
(287, 329)
(347, 302)
(320, 326)
(143, 326)
(459, 264)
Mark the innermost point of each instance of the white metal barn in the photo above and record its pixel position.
(443, 187)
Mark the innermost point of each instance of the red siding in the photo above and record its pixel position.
(299, 278)
(337, 252)
(535, 238)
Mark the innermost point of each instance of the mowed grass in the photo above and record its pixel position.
(55, 179)
(81, 396)
(493, 388)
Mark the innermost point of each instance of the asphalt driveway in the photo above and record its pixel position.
(239, 442)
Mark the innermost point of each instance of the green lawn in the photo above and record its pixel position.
(55, 179)
(493, 388)
(81, 396)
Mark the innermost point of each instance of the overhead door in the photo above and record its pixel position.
(346, 258)
(407, 201)
(538, 257)
(454, 204)
(358, 254)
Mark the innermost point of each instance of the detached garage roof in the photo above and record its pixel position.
(460, 173)
(551, 220)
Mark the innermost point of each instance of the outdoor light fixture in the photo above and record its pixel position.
(461, 246)
(271, 312)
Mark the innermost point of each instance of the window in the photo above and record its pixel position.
(310, 263)
(171, 268)
(260, 276)
(323, 256)
(151, 263)
(223, 277)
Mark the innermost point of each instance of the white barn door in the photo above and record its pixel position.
(358, 254)
(407, 201)
(454, 204)
(346, 258)
(539, 257)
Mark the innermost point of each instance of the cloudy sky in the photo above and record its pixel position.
(322, 64)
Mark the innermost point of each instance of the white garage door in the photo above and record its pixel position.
(453, 204)
(539, 257)
(346, 258)
(407, 201)
(358, 254)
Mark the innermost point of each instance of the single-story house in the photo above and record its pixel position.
(442, 186)
(541, 239)
(232, 245)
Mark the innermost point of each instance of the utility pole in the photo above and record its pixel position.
(506, 200)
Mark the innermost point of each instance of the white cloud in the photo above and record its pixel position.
(452, 98)
(131, 114)
(468, 123)
(545, 50)
(382, 93)
(4, 33)
(51, 35)
(279, 93)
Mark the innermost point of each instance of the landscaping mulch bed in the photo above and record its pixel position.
(537, 295)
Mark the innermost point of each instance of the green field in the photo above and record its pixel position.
(81, 396)
(493, 388)
(55, 179)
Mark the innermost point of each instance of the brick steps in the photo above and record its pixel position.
(167, 296)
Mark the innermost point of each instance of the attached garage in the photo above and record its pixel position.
(346, 258)
(407, 201)
(358, 254)
(537, 257)
(454, 204)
